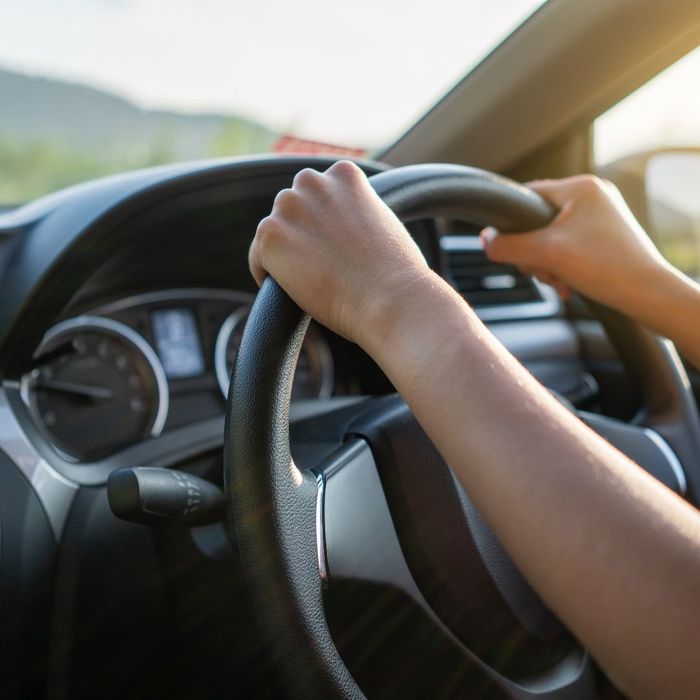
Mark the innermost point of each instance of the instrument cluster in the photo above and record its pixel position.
(128, 370)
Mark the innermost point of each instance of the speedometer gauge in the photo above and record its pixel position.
(313, 378)
(96, 386)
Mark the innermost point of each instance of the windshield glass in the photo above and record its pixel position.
(91, 87)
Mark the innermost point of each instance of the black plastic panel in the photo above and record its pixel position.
(27, 559)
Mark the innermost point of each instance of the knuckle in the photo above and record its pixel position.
(267, 228)
(287, 201)
(346, 170)
(591, 185)
(264, 225)
(610, 187)
(308, 177)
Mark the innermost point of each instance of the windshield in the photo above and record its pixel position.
(92, 87)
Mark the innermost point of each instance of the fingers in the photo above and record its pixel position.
(563, 290)
(546, 277)
(288, 206)
(308, 179)
(347, 172)
(556, 192)
(254, 261)
(293, 205)
(272, 239)
(256, 269)
(521, 249)
(559, 192)
(552, 280)
(541, 248)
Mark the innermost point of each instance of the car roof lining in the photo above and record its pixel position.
(581, 58)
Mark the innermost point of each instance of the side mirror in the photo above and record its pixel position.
(672, 185)
(662, 187)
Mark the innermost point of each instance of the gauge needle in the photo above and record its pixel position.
(63, 349)
(92, 392)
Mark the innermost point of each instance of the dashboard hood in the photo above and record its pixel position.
(90, 222)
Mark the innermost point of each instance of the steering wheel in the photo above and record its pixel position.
(385, 508)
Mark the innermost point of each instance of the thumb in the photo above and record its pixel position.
(513, 248)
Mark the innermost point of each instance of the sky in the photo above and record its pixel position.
(354, 73)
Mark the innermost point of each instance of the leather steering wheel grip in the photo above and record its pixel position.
(460, 192)
(270, 503)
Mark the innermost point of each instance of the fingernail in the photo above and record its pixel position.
(487, 236)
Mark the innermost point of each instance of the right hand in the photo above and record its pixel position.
(594, 245)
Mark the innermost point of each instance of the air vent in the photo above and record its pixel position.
(498, 292)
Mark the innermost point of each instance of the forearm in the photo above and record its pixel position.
(668, 302)
(578, 518)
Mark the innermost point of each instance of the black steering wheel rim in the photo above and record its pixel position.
(272, 504)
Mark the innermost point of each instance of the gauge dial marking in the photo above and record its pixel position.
(96, 387)
(313, 377)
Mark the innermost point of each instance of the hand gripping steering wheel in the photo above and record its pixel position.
(384, 508)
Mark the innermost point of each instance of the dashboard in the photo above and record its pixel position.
(141, 365)
(140, 290)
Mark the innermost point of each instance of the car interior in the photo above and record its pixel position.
(154, 541)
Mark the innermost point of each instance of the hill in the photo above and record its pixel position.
(54, 133)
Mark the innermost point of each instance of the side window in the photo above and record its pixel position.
(649, 146)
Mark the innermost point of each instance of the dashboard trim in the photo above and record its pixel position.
(222, 338)
(176, 294)
(325, 357)
(548, 307)
(54, 491)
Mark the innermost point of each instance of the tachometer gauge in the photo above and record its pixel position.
(96, 386)
(313, 378)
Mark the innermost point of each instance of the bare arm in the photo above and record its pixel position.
(596, 247)
(613, 552)
(617, 555)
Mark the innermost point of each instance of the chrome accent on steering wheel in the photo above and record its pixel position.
(671, 457)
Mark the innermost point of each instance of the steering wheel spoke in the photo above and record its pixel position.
(669, 414)
(357, 538)
(358, 544)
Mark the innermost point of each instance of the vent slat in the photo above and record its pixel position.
(491, 298)
(484, 283)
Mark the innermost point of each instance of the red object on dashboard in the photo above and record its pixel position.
(292, 144)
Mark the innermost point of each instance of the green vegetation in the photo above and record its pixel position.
(236, 139)
(55, 133)
(31, 168)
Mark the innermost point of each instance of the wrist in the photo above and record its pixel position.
(657, 295)
(404, 323)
